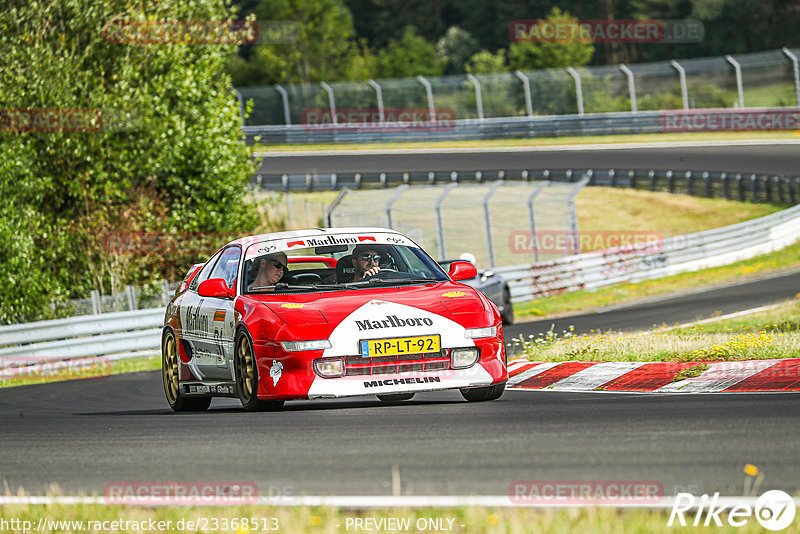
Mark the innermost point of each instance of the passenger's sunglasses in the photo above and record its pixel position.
(279, 265)
(370, 257)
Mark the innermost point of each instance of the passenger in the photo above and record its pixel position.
(271, 269)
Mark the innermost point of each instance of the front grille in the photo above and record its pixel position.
(428, 361)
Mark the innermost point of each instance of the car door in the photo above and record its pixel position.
(215, 321)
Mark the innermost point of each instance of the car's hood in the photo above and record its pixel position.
(451, 300)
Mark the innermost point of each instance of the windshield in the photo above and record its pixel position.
(278, 269)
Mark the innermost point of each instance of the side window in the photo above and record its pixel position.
(228, 265)
(202, 276)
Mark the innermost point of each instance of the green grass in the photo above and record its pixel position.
(326, 520)
(100, 370)
(774, 333)
(542, 141)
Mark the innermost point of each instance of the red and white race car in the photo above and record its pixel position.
(327, 313)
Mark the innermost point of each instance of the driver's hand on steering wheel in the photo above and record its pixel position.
(372, 271)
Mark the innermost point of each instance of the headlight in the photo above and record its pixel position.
(329, 367)
(463, 358)
(294, 346)
(488, 331)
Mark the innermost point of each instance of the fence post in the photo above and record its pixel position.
(682, 76)
(486, 221)
(572, 217)
(478, 100)
(429, 93)
(796, 72)
(534, 241)
(438, 211)
(289, 210)
(526, 84)
(392, 200)
(578, 88)
(379, 95)
(737, 69)
(631, 86)
(241, 103)
(331, 101)
(333, 205)
(285, 97)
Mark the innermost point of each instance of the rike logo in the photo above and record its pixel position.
(774, 510)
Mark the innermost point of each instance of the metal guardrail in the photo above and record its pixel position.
(674, 255)
(753, 187)
(105, 334)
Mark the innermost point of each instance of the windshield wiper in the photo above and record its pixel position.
(387, 281)
(312, 287)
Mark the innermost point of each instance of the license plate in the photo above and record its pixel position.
(398, 346)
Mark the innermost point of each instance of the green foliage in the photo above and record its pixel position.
(545, 55)
(411, 55)
(484, 62)
(164, 153)
(455, 47)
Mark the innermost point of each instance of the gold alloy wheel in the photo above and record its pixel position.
(169, 369)
(244, 369)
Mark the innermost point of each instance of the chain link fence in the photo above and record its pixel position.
(448, 220)
(763, 79)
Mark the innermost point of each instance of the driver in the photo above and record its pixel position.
(366, 260)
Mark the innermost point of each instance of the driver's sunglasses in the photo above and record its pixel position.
(279, 265)
(371, 257)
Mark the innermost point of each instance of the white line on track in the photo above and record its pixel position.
(537, 148)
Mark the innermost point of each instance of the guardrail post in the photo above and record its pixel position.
(740, 186)
(438, 212)
(331, 101)
(631, 86)
(737, 69)
(357, 180)
(379, 95)
(612, 175)
(285, 98)
(526, 85)
(689, 182)
(165, 297)
(724, 178)
(478, 99)
(130, 292)
(391, 201)
(670, 182)
(285, 182)
(578, 88)
(479, 177)
(632, 179)
(241, 104)
(429, 93)
(707, 181)
(96, 308)
(431, 177)
(652, 175)
(534, 241)
(754, 191)
(796, 72)
(486, 221)
(682, 76)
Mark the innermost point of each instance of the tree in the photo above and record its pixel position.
(545, 55)
(454, 48)
(484, 62)
(411, 55)
(146, 138)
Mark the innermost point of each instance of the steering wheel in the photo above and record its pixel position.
(306, 278)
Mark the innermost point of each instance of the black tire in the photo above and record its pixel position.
(396, 397)
(508, 308)
(170, 373)
(246, 372)
(483, 394)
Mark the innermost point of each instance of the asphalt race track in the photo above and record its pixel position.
(89, 433)
(773, 158)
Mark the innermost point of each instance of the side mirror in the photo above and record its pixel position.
(216, 288)
(462, 270)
